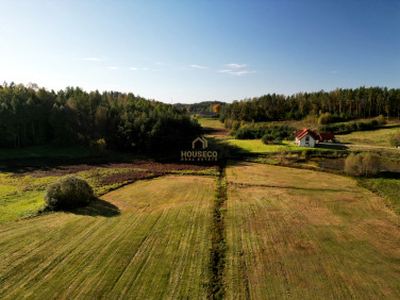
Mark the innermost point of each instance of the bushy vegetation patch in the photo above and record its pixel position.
(327, 118)
(271, 132)
(395, 140)
(387, 188)
(362, 164)
(353, 126)
(68, 192)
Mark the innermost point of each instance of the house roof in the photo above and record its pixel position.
(302, 133)
(315, 135)
(326, 136)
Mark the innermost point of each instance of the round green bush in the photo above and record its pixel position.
(68, 192)
(270, 138)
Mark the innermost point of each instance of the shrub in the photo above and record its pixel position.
(101, 144)
(374, 123)
(325, 118)
(68, 192)
(257, 131)
(271, 139)
(381, 120)
(352, 126)
(244, 133)
(362, 165)
(395, 140)
(361, 126)
(235, 125)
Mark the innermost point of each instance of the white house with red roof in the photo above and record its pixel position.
(308, 137)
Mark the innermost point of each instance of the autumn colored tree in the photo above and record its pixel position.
(217, 108)
(362, 165)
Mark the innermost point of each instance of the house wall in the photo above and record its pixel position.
(309, 143)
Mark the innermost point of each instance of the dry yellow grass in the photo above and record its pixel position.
(303, 234)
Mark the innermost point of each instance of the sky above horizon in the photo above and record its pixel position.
(192, 51)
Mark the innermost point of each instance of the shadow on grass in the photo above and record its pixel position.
(388, 175)
(97, 208)
(331, 146)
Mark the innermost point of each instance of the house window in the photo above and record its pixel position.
(307, 138)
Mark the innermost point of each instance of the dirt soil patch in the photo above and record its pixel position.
(128, 177)
(216, 131)
(37, 170)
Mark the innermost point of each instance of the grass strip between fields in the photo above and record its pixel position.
(218, 240)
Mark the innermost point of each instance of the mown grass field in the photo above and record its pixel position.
(22, 195)
(147, 240)
(379, 137)
(302, 234)
(387, 188)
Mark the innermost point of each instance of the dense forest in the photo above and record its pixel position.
(30, 115)
(344, 104)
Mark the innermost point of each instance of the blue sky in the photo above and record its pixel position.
(191, 51)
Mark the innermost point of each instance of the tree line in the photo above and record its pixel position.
(30, 115)
(196, 108)
(344, 104)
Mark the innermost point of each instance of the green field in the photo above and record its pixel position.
(257, 146)
(210, 123)
(148, 240)
(22, 195)
(302, 234)
(378, 137)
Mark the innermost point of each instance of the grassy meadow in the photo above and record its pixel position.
(378, 137)
(257, 146)
(303, 234)
(126, 245)
(22, 195)
(387, 188)
(210, 123)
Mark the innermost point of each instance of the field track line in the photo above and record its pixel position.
(134, 254)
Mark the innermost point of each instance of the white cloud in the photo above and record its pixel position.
(133, 69)
(236, 70)
(198, 67)
(241, 73)
(145, 69)
(233, 72)
(92, 59)
(159, 64)
(224, 71)
(236, 66)
(334, 72)
(113, 68)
